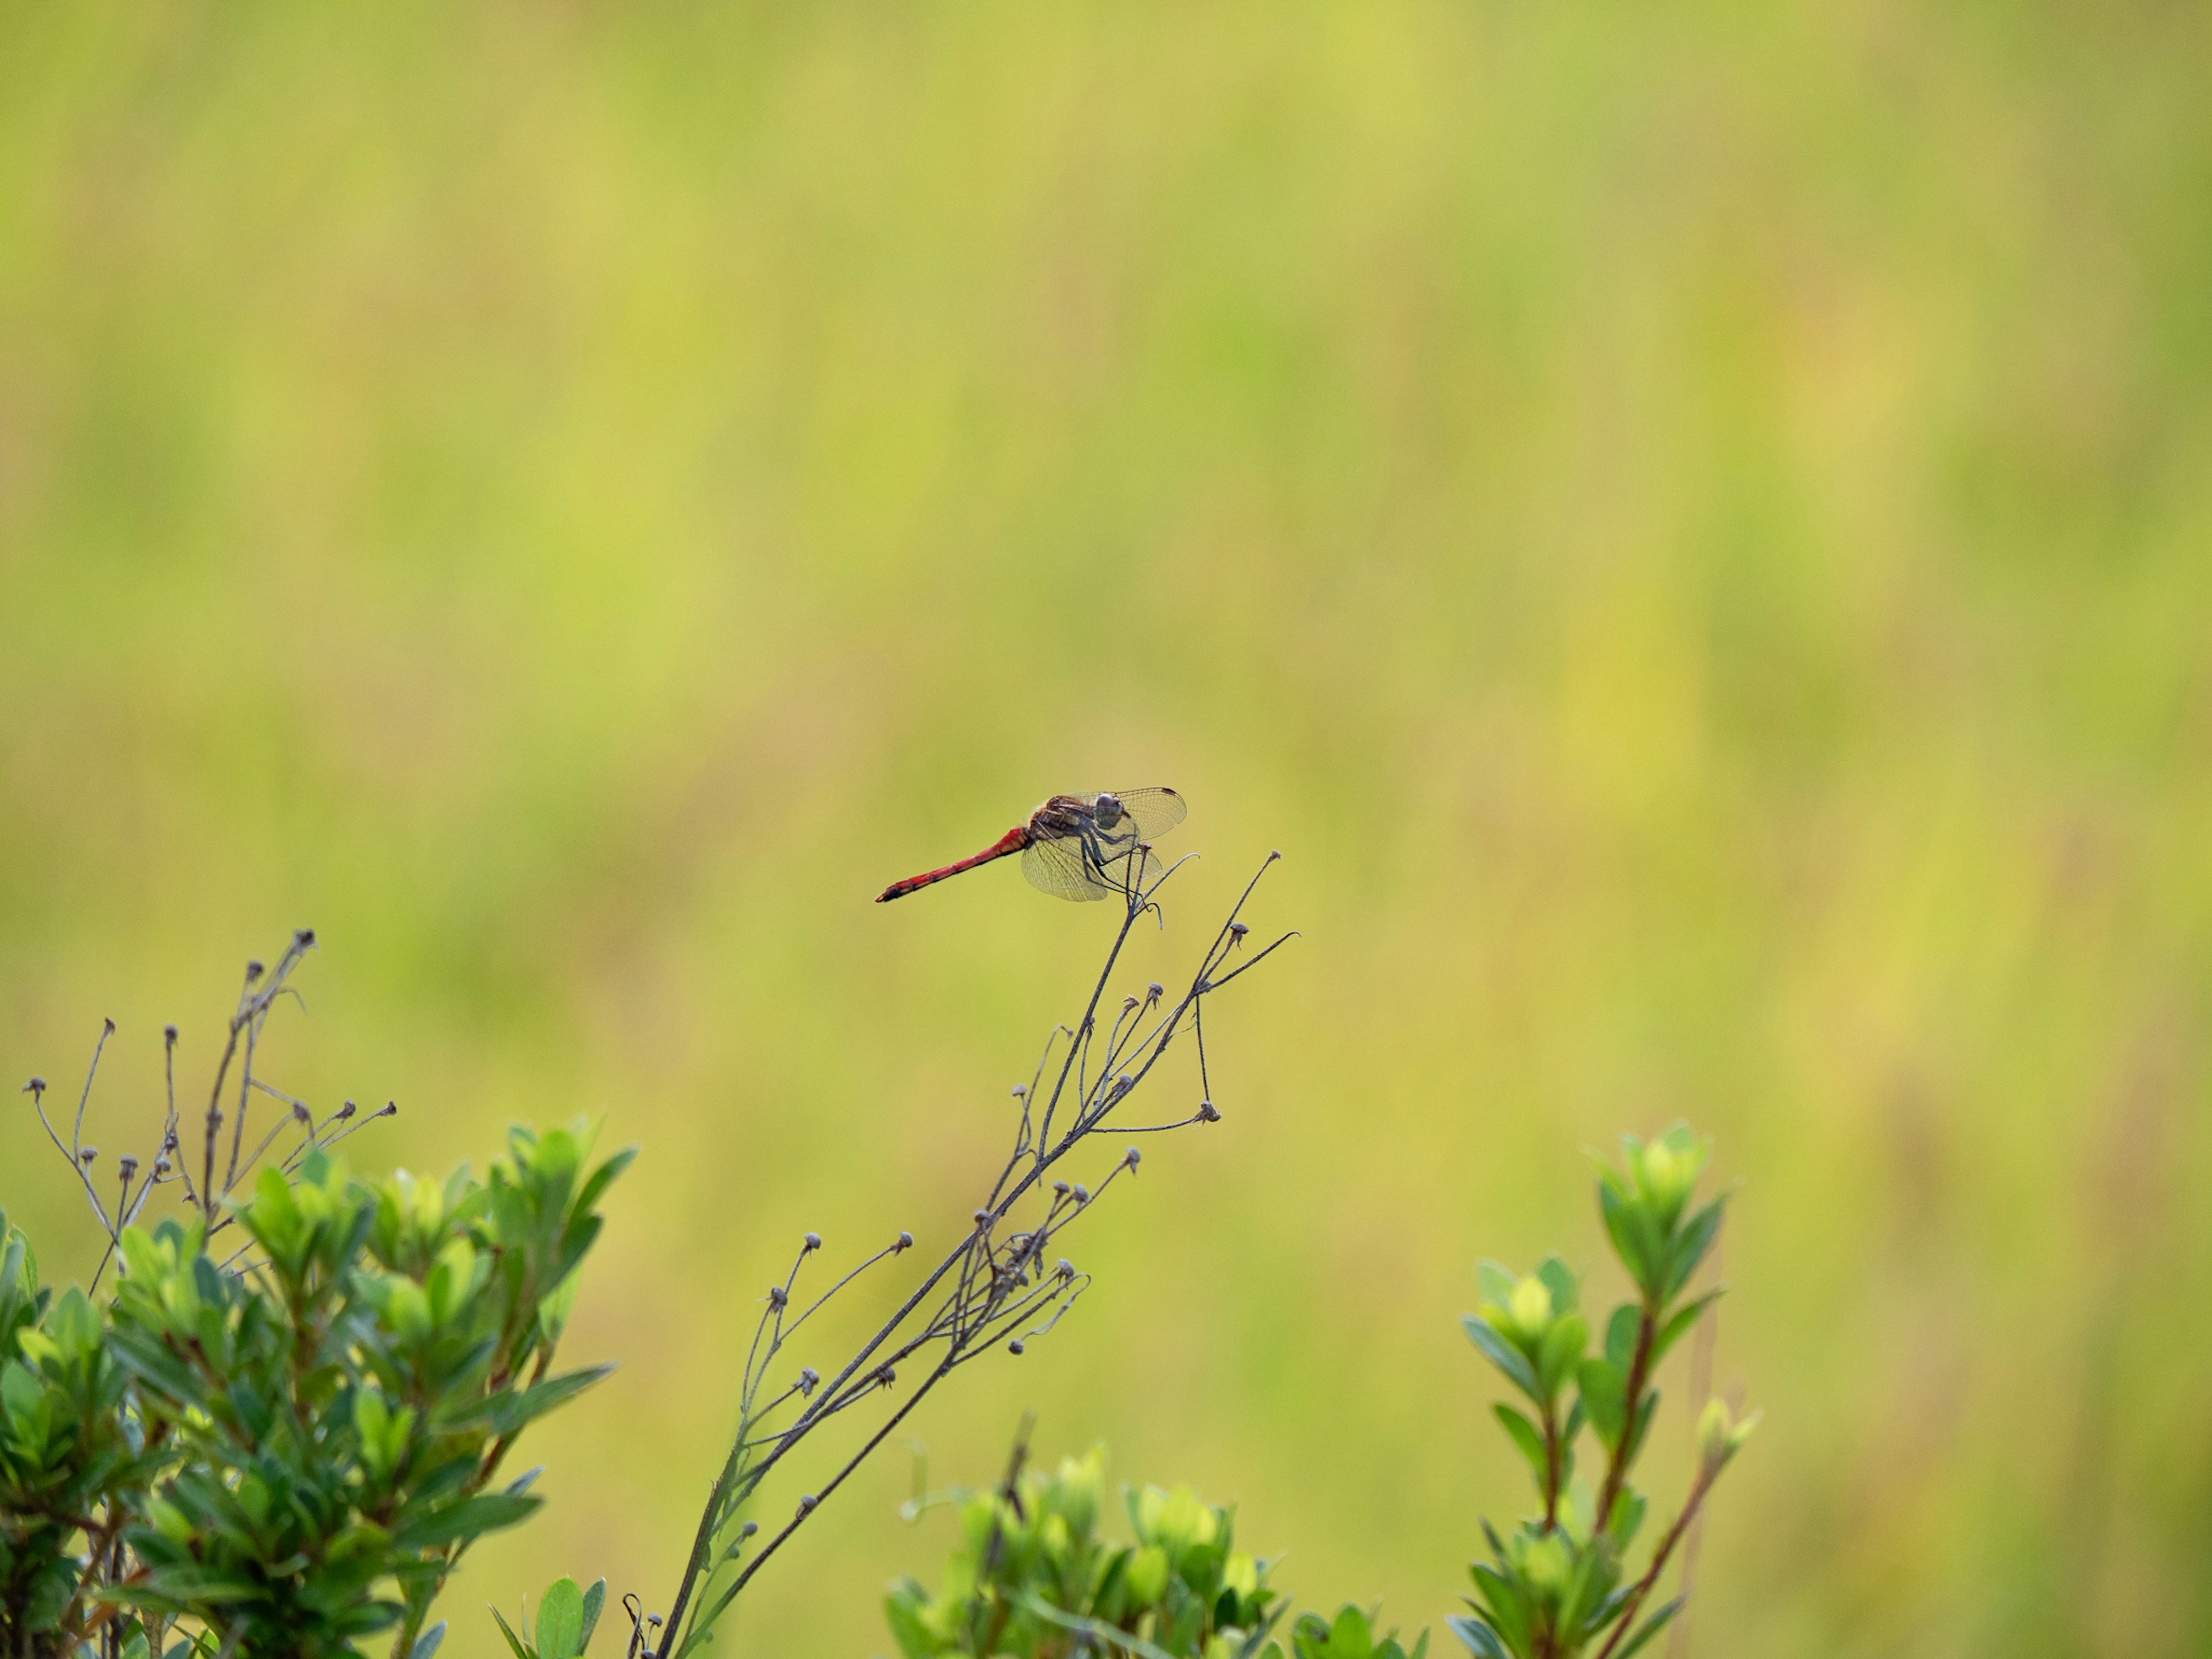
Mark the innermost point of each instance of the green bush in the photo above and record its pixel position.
(286, 1451)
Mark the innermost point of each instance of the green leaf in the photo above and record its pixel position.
(1560, 1279)
(1690, 1245)
(594, 1599)
(1602, 1386)
(1650, 1628)
(1480, 1638)
(1562, 1347)
(506, 1630)
(1496, 1282)
(427, 1643)
(470, 1517)
(1502, 1354)
(561, 1620)
(1620, 1336)
(1678, 1326)
(506, 1414)
(1525, 1435)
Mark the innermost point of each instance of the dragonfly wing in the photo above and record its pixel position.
(1057, 864)
(1154, 811)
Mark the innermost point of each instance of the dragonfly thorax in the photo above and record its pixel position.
(1107, 809)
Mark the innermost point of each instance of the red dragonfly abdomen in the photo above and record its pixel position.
(1012, 841)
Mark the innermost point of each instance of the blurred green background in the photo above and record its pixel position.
(1690, 529)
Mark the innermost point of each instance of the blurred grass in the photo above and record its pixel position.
(1690, 530)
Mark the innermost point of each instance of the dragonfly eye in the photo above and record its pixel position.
(1107, 811)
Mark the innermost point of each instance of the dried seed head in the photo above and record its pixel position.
(254, 970)
(1155, 991)
(160, 1168)
(1021, 1090)
(305, 939)
(749, 1529)
(127, 1166)
(983, 1217)
(169, 1141)
(346, 1111)
(390, 1108)
(812, 1242)
(807, 1503)
(1123, 1083)
(1064, 1267)
(1014, 1347)
(1206, 1114)
(1129, 1005)
(886, 1376)
(1133, 1158)
(808, 1376)
(301, 1113)
(109, 1026)
(1236, 932)
(1059, 1187)
(169, 1034)
(776, 1297)
(1082, 1193)
(86, 1154)
(34, 1088)
(905, 1243)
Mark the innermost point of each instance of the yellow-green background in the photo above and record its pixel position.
(1690, 526)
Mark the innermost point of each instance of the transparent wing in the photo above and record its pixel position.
(1057, 864)
(1154, 811)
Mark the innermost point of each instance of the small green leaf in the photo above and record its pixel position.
(1650, 1628)
(1678, 1326)
(1502, 1354)
(1620, 1336)
(1560, 1279)
(1480, 1639)
(1525, 1435)
(1602, 1386)
(427, 1643)
(506, 1630)
(594, 1599)
(561, 1620)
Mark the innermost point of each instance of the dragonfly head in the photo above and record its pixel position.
(1107, 809)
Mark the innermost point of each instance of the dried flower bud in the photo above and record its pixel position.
(749, 1529)
(301, 1113)
(252, 970)
(169, 1034)
(1155, 991)
(346, 1111)
(1236, 932)
(1064, 1267)
(886, 1376)
(1014, 1347)
(390, 1108)
(128, 1165)
(812, 1242)
(776, 1297)
(1206, 1114)
(905, 1242)
(1133, 1158)
(34, 1088)
(160, 1168)
(807, 1503)
(1021, 1090)
(1129, 1005)
(305, 939)
(983, 1217)
(1082, 1193)
(86, 1154)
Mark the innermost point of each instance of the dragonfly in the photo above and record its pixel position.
(1075, 846)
